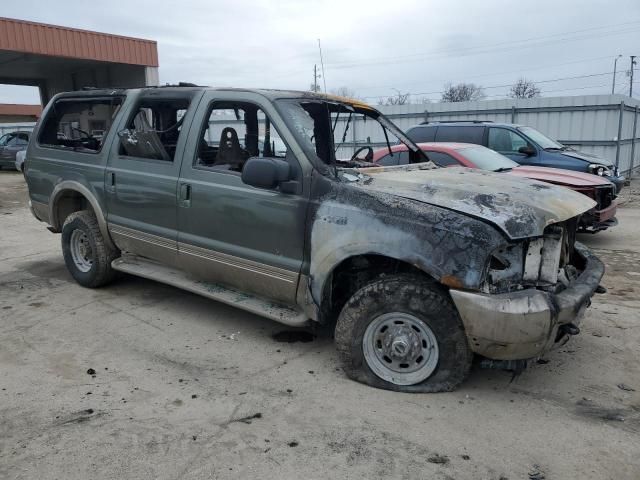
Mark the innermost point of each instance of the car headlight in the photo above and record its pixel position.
(601, 170)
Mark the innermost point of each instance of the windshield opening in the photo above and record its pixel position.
(487, 159)
(343, 134)
(541, 139)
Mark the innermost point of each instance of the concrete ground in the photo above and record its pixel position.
(185, 387)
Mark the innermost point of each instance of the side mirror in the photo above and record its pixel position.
(265, 172)
(527, 150)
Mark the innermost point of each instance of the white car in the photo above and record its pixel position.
(20, 156)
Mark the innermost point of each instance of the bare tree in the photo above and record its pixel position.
(397, 99)
(344, 92)
(462, 92)
(524, 88)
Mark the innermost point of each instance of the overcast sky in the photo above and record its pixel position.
(372, 47)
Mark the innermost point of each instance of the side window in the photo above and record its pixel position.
(456, 133)
(421, 134)
(22, 139)
(506, 141)
(153, 129)
(442, 159)
(235, 132)
(13, 141)
(70, 121)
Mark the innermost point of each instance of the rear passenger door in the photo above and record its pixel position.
(141, 178)
(460, 133)
(229, 232)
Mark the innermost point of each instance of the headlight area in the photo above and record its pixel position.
(545, 263)
(601, 170)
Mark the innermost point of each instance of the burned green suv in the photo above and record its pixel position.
(266, 200)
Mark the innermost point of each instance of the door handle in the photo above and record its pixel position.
(185, 195)
(111, 181)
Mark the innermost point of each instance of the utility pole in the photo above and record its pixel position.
(633, 62)
(316, 76)
(615, 64)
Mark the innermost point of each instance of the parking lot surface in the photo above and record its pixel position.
(141, 380)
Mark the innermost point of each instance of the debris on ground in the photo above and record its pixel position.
(588, 408)
(626, 388)
(249, 418)
(293, 336)
(91, 371)
(536, 473)
(438, 459)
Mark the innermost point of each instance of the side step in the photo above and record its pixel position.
(145, 268)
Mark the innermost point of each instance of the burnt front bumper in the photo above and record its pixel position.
(524, 324)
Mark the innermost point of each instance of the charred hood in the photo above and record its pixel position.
(520, 207)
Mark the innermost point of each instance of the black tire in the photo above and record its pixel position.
(416, 296)
(100, 272)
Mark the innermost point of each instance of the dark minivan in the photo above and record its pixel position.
(522, 144)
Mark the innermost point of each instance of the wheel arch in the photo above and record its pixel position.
(354, 271)
(70, 196)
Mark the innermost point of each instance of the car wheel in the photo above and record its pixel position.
(85, 252)
(403, 333)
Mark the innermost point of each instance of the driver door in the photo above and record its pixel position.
(229, 232)
(507, 142)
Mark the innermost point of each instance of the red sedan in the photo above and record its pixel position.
(602, 216)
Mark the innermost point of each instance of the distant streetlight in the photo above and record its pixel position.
(615, 64)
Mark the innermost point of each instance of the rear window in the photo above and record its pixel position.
(456, 133)
(421, 134)
(79, 124)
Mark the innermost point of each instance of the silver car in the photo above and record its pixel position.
(20, 156)
(10, 144)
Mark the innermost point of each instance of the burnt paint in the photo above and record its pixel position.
(348, 219)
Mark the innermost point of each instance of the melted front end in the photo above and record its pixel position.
(535, 293)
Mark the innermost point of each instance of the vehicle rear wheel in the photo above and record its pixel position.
(85, 252)
(403, 333)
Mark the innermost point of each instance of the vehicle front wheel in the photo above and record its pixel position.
(87, 256)
(403, 333)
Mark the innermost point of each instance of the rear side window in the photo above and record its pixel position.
(421, 134)
(154, 127)
(464, 134)
(79, 124)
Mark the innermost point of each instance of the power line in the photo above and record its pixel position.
(491, 74)
(469, 51)
(481, 49)
(551, 80)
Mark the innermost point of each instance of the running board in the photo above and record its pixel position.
(145, 268)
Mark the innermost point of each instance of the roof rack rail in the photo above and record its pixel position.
(458, 121)
(166, 85)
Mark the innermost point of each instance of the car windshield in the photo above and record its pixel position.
(487, 159)
(542, 140)
(5, 139)
(343, 133)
